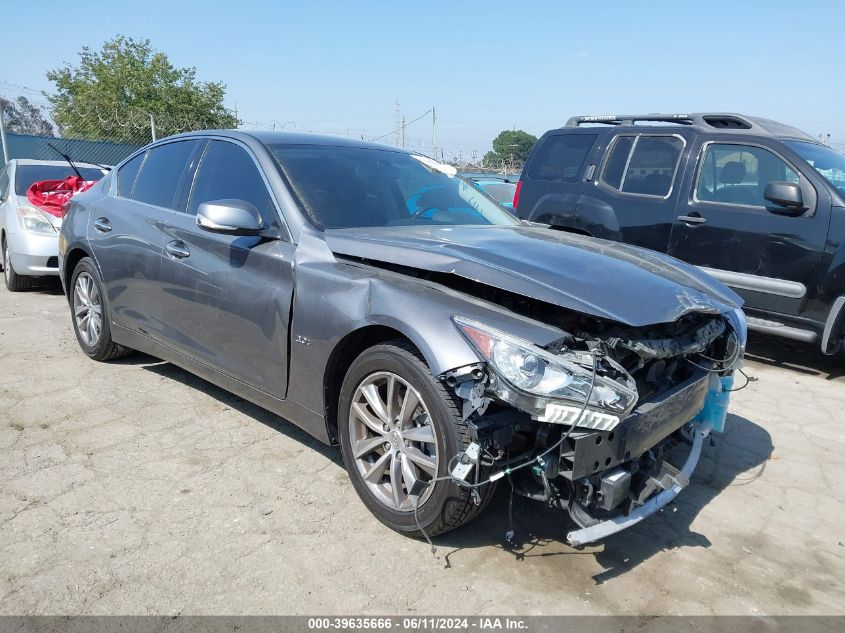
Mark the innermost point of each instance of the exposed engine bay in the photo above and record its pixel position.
(598, 446)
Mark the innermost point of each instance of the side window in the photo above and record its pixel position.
(644, 165)
(228, 171)
(126, 175)
(561, 157)
(159, 178)
(738, 174)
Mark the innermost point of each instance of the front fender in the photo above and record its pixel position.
(335, 298)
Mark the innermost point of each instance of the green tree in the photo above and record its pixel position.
(511, 147)
(126, 82)
(22, 117)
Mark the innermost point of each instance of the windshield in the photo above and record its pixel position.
(501, 192)
(828, 162)
(25, 175)
(351, 187)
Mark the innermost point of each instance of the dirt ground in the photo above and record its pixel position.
(136, 488)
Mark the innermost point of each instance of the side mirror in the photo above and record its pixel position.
(786, 198)
(232, 217)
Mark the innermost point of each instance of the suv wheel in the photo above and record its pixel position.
(14, 281)
(90, 314)
(398, 424)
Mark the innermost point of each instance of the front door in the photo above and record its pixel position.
(726, 228)
(226, 299)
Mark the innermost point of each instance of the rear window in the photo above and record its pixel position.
(161, 173)
(561, 157)
(126, 175)
(25, 175)
(643, 165)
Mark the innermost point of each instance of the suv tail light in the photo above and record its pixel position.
(516, 194)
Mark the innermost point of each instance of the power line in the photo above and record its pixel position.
(402, 127)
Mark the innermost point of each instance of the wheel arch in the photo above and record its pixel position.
(74, 256)
(344, 353)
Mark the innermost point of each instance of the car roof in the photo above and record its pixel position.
(705, 122)
(270, 137)
(32, 161)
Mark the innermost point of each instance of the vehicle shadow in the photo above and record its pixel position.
(805, 358)
(46, 286)
(541, 531)
(173, 372)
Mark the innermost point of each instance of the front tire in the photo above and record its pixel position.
(397, 423)
(14, 281)
(89, 313)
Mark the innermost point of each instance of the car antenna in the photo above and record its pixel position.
(67, 158)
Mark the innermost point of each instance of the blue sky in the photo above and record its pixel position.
(340, 66)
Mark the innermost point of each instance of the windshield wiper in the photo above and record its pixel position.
(70, 162)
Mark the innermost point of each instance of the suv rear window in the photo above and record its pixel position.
(561, 157)
(643, 165)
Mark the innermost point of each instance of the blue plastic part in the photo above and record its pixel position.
(716, 404)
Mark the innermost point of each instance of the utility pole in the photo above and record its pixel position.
(3, 140)
(398, 119)
(153, 127)
(434, 132)
(402, 132)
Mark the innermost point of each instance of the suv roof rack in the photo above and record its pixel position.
(707, 120)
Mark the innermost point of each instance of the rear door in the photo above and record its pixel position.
(227, 299)
(553, 178)
(724, 226)
(126, 233)
(634, 194)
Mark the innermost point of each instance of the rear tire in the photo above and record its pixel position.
(89, 314)
(14, 281)
(417, 444)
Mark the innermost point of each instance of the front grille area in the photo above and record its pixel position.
(53, 262)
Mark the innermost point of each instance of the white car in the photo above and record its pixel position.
(29, 237)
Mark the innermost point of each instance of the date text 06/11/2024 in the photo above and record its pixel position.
(419, 623)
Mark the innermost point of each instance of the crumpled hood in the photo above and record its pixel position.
(605, 279)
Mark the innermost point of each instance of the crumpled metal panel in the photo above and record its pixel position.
(605, 279)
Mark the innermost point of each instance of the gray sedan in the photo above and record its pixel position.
(380, 302)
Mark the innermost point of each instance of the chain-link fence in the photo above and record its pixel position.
(97, 135)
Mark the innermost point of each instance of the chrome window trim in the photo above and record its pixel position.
(700, 166)
(601, 181)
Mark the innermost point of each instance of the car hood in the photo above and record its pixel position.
(605, 279)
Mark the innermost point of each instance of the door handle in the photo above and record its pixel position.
(102, 225)
(692, 218)
(177, 249)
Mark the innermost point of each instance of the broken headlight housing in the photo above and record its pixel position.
(552, 387)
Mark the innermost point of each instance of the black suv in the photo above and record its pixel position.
(757, 204)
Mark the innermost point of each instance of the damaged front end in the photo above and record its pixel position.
(587, 423)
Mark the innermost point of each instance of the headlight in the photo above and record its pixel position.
(35, 221)
(543, 383)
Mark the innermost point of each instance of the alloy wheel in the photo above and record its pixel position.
(87, 309)
(393, 440)
(7, 262)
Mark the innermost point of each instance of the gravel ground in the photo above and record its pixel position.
(136, 488)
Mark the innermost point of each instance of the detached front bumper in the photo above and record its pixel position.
(601, 530)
